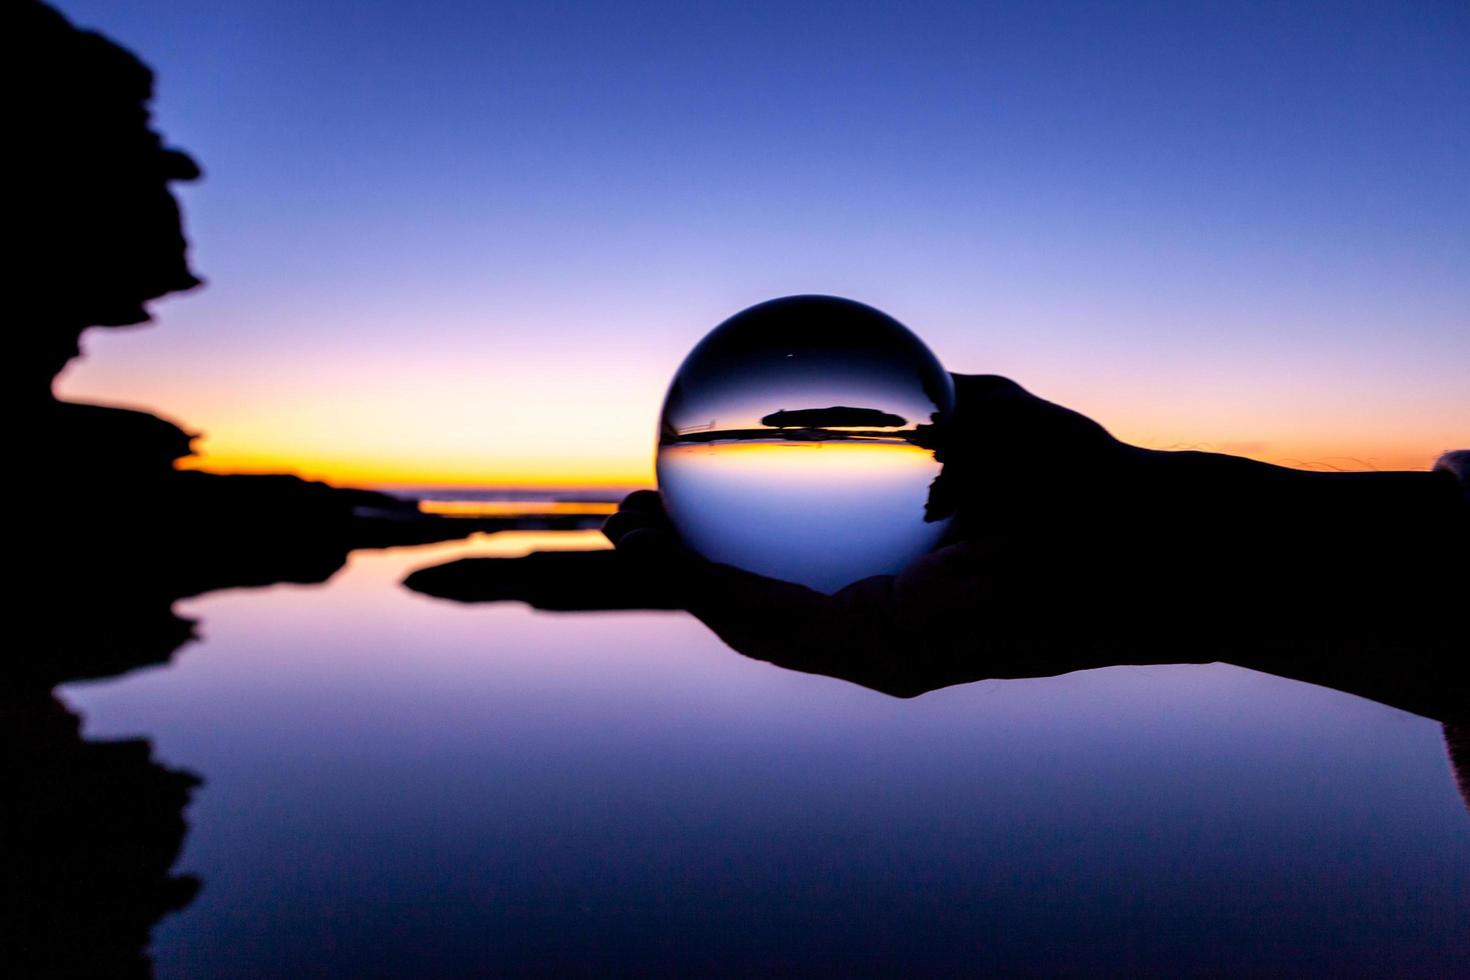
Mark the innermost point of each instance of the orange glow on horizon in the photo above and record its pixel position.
(387, 474)
(515, 508)
(571, 416)
(576, 474)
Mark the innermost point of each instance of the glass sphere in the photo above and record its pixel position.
(796, 442)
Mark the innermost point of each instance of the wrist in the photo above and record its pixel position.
(1238, 493)
(1250, 535)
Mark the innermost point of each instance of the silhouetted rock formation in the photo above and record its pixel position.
(119, 555)
(557, 581)
(91, 831)
(838, 416)
(113, 533)
(835, 424)
(120, 532)
(100, 232)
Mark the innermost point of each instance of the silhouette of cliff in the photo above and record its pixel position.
(111, 534)
(99, 231)
(118, 533)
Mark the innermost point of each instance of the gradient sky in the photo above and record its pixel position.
(470, 242)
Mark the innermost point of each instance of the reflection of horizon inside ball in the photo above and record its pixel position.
(793, 442)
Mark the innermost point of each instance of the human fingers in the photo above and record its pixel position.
(621, 524)
(643, 502)
(1003, 413)
(639, 511)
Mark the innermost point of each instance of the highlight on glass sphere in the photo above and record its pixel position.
(796, 442)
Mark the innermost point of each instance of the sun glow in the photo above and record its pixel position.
(426, 417)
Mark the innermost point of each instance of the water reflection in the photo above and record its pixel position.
(838, 636)
(796, 442)
(398, 786)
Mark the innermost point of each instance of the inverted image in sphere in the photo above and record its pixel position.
(796, 442)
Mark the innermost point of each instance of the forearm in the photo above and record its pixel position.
(1259, 532)
(1346, 580)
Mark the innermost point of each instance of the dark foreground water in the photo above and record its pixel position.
(396, 786)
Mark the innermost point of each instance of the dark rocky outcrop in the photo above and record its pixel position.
(111, 533)
(114, 531)
(837, 416)
(92, 829)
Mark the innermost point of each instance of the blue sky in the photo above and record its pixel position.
(1229, 224)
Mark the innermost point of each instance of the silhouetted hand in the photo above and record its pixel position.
(1075, 550)
(1004, 601)
(928, 627)
(971, 610)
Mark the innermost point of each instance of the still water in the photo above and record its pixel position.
(400, 786)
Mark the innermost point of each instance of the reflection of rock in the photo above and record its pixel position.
(803, 425)
(838, 416)
(91, 831)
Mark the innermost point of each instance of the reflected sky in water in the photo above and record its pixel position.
(399, 786)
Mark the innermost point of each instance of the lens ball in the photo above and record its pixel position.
(796, 442)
